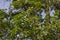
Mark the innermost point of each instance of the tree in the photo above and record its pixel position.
(27, 23)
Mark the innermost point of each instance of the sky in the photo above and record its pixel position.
(4, 4)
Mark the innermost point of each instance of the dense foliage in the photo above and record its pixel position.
(27, 22)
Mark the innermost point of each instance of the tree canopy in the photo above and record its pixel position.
(27, 22)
